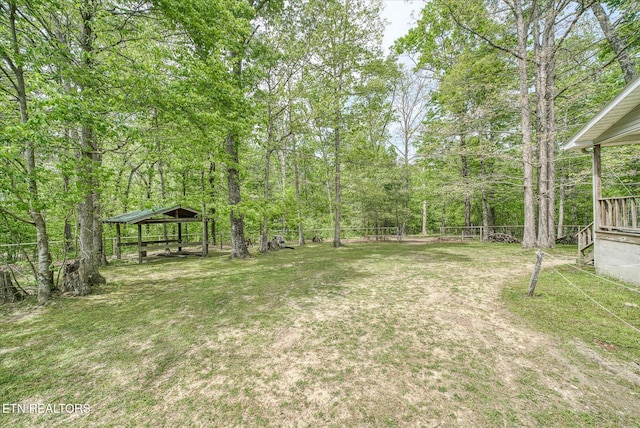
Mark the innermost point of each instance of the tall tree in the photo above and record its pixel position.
(91, 159)
(15, 60)
(617, 44)
(410, 102)
(523, 23)
(346, 36)
(222, 34)
(545, 26)
(94, 39)
(469, 76)
(282, 59)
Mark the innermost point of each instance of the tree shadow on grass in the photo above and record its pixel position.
(430, 255)
(262, 289)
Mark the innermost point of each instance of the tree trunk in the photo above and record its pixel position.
(424, 218)
(298, 203)
(336, 222)
(236, 219)
(485, 205)
(540, 55)
(465, 180)
(205, 228)
(87, 256)
(560, 231)
(90, 233)
(98, 241)
(238, 244)
(529, 235)
(43, 272)
(627, 64)
(551, 139)
(212, 182)
(8, 292)
(163, 193)
(282, 154)
(545, 93)
(492, 218)
(264, 239)
(405, 196)
(73, 279)
(68, 234)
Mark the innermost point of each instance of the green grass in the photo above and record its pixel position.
(380, 334)
(558, 307)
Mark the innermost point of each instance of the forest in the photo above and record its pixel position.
(290, 117)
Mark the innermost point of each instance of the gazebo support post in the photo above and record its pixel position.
(205, 237)
(118, 242)
(179, 236)
(139, 243)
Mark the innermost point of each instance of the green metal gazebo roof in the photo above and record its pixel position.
(147, 216)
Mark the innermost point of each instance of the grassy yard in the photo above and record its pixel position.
(378, 334)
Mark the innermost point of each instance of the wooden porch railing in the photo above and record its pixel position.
(619, 214)
(585, 241)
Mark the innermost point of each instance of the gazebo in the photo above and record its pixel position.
(176, 214)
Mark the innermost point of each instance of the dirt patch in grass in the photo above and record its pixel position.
(383, 334)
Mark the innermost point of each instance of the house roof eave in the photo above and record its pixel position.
(617, 123)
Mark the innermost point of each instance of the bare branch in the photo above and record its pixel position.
(482, 36)
(16, 217)
(562, 39)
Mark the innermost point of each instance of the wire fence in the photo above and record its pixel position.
(60, 250)
(27, 251)
(591, 298)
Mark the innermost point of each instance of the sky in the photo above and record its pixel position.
(398, 14)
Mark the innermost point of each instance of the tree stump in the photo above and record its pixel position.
(8, 292)
(72, 282)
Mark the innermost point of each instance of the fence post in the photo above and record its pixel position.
(536, 271)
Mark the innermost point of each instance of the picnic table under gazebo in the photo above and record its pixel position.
(174, 215)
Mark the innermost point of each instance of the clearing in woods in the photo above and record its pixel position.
(378, 334)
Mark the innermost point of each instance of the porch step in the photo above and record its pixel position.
(587, 259)
(585, 247)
